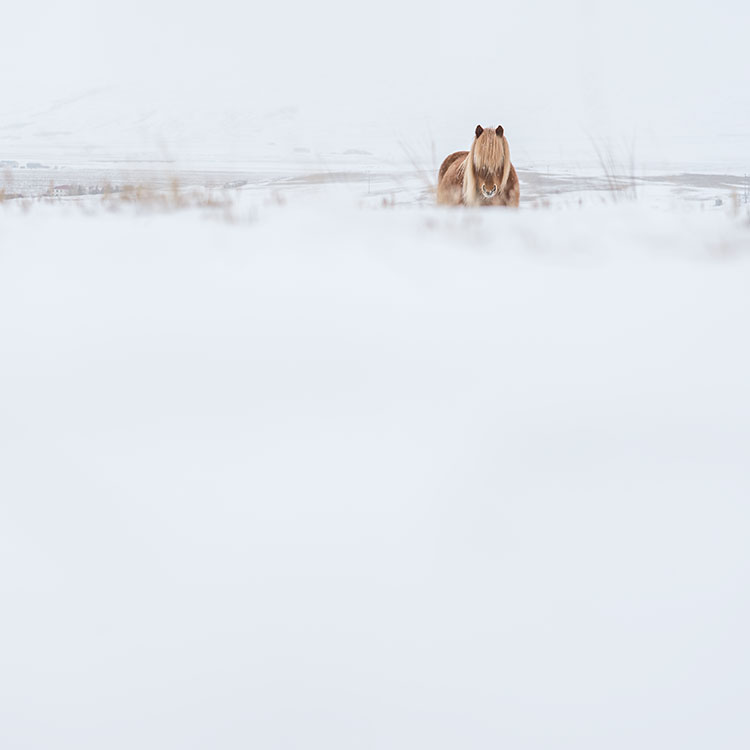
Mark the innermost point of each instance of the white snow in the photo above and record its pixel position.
(324, 467)
(336, 477)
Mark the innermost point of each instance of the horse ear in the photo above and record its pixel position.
(479, 130)
(499, 130)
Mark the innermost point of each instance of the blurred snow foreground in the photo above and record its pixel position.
(386, 479)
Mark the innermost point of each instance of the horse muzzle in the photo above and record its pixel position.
(489, 193)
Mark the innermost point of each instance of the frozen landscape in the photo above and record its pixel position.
(290, 457)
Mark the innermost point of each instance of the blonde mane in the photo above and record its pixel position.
(488, 157)
(482, 176)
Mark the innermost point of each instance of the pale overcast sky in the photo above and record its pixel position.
(665, 64)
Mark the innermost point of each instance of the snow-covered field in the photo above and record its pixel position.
(321, 474)
(292, 459)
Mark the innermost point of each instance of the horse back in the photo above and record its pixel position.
(449, 160)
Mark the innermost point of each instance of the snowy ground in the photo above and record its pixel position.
(291, 459)
(110, 137)
(314, 473)
(370, 180)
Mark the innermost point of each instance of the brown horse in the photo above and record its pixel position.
(482, 176)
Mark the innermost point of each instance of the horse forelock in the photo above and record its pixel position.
(488, 155)
(488, 159)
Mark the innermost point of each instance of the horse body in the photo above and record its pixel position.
(482, 176)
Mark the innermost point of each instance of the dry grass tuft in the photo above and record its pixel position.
(619, 174)
(173, 198)
(141, 197)
(426, 176)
